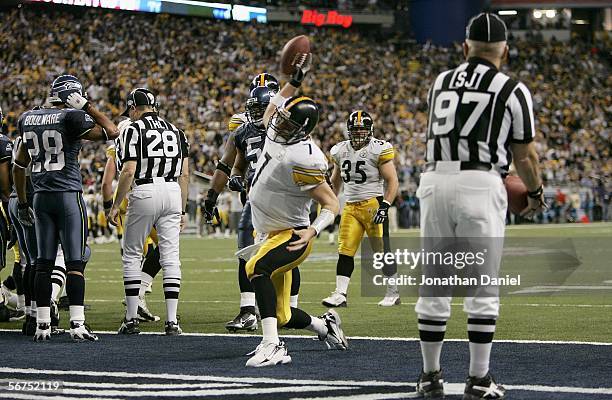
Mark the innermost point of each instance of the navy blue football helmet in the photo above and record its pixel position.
(63, 86)
(257, 103)
(265, 79)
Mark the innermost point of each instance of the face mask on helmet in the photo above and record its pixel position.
(255, 111)
(293, 121)
(360, 129)
(285, 130)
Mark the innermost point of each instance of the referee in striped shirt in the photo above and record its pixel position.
(155, 167)
(480, 121)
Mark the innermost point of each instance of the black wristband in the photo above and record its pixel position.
(107, 204)
(87, 106)
(295, 83)
(221, 166)
(536, 193)
(212, 195)
(183, 212)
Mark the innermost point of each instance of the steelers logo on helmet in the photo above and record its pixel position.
(257, 103)
(360, 128)
(265, 79)
(63, 86)
(294, 120)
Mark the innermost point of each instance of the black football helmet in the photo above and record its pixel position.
(293, 121)
(360, 128)
(257, 103)
(265, 79)
(63, 86)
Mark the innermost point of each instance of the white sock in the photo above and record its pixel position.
(270, 330)
(63, 291)
(392, 289)
(293, 301)
(480, 353)
(318, 326)
(55, 291)
(20, 301)
(43, 315)
(132, 307)
(145, 281)
(28, 310)
(431, 355)
(171, 307)
(331, 238)
(77, 314)
(342, 283)
(33, 308)
(247, 299)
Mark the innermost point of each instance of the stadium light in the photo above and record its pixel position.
(507, 12)
(537, 14)
(551, 13)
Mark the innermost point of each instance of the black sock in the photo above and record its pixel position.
(75, 289)
(42, 283)
(243, 281)
(299, 319)
(9, 282)
(265, 295)
(345, 266)
(27, 292)
(151, 265)
(18, 277)
(295, 281)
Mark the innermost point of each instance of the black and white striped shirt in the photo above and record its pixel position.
(158, 147)
(475, 112)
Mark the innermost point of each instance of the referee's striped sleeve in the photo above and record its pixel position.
(129, 143)
(521, 107)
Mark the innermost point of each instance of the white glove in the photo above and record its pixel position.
(123, 124)
(77, 101)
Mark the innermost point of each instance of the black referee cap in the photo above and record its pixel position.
(139, 97)
(486, 27)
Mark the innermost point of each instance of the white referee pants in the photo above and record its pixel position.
(467, 204)
(151, 205)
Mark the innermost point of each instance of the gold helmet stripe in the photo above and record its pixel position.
(295, 101)
(261, 80)
(358, 117)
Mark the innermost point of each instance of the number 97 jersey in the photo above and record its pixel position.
(359, 168)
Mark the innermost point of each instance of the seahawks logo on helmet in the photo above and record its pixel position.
(257, 103)
(265, 79)
(294, 120)
(63, 86)
(360, 128)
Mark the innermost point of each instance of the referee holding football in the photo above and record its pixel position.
(154, 155)
(480, 120)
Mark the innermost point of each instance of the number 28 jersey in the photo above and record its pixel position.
(283, 175)
(359, 168)
(52, 137)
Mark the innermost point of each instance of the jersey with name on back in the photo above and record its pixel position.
(283, 175)
(53, 139)
(359, 168)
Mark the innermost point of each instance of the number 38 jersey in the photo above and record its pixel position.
(52, 137)
(359, 168)
(283, 175)
(157, 146)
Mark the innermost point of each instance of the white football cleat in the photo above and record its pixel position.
(335, 338)
(267, 354)
(81, 332)
(390, 300)
(335, 299)
(43, 332)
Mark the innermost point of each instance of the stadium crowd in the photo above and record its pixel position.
(200, 69)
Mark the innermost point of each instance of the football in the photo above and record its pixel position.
(299, 44)
(517, 193)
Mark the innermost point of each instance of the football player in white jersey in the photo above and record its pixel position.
(289, 175)
(365, 165)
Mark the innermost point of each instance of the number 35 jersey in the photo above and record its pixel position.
(359, 168)
(53, 139)
(283, 175)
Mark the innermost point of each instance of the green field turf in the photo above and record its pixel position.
(209, 293)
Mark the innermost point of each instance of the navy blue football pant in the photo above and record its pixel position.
(26, 237)
(60, 217)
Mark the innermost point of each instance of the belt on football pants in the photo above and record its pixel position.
(145, 181)
(463, 166)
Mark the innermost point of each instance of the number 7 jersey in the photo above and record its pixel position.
(53, 139)
(359, 168)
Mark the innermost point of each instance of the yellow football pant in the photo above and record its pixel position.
(274, 256)
(355, 221)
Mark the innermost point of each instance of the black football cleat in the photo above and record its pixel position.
(483, 388)
(244, 321)
(129, 327)
(431, 385)
(172, 328)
